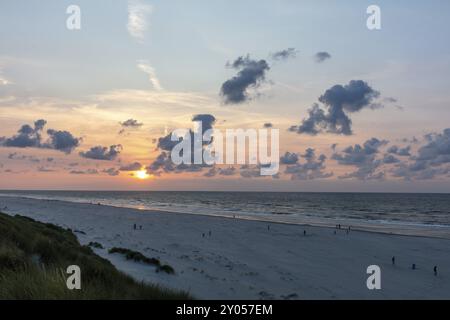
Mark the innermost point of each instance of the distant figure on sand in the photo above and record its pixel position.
(140, 227)
(304, 232)
(414, 266)
(435, 270)
(203, 235)
(393, 260)
(134, 226)
(209, 233)
(268, 227)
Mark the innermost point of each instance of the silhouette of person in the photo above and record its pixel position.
(134, 226)
(414, 266)
(304, 232)
(435, 270)
(393, 260)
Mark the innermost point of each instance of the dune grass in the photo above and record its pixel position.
(139, 257)
(34, 257)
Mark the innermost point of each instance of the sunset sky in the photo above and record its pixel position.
(110, 92)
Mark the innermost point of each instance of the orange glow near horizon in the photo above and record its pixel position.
(142, 174)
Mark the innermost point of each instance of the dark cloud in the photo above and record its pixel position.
(31, 137)
(284, 54)
(88, 171)
(135, 166)
(45, 169)
(251, 74)
(214, 171)
(404, 152)
(432, 159)
(131, 123)
(363, 158)
(252, 171)
(268, 125)
(207, 121)
(112, 172)
(322, 56)
(165, 143)
(437, 148)
(389, 159)
(163, 162)
(312, 168)
(289, 158)
(339, 101)
(61, 140)
(102, 153)
(27, 136)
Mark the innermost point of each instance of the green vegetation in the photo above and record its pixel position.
(95, 245)
(139, 257)
(34, 257)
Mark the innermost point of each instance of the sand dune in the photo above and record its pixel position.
(242, 259)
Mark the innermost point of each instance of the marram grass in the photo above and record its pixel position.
(34, 257)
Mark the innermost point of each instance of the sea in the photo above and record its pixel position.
(401, 209)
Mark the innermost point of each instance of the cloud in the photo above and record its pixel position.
(313, 167)
(404, 152)
(163, 162)
(289, 158)
(31, 137)
(214, 171)
(131, 123)
(284, 54)
(138, 13)
(339, 101)
(322, 56)
(437, 148)
(207, 121)
(363, 158)
(389, 159)
(135, 166)
(61, 140)
(432, 159)
(102, 153)
(112, 172)
(145, 66)
(165, 143)
(45, 169)
(251, 74)
(88, 171)
(268, 125)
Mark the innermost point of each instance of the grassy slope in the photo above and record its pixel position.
(34, 257)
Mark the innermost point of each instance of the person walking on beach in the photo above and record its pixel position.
(134, 226)
(304, 232)
(435, 270)
(393, 260)
(414, 266)
(268, 227)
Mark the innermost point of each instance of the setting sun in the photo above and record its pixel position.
(141, 174)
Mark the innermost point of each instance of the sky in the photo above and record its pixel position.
(356, 109)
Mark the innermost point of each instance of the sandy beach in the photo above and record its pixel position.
(225, 258)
